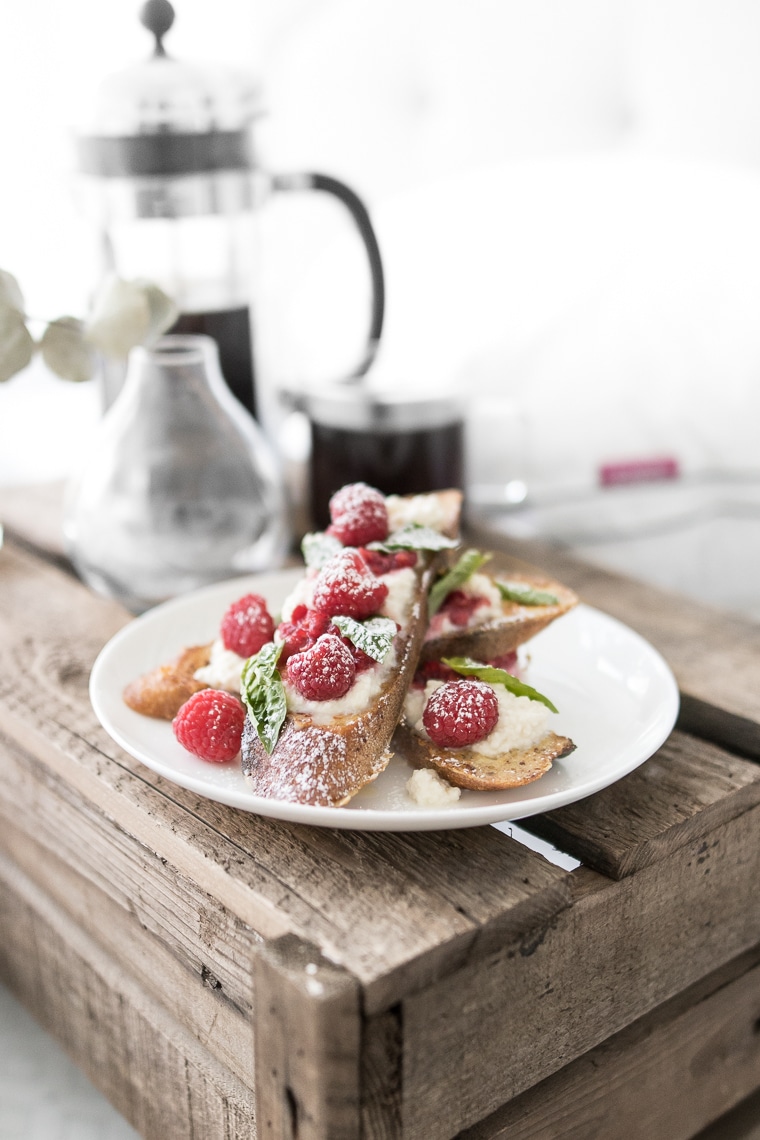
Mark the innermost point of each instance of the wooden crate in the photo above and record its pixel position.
(222, 975)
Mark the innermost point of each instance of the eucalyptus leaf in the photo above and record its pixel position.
(525, 595)
(10, 292)
(466, 667)
(16, 343)
(318, 548)
(162, 310)
(460, 572)
(375, 636)
(121, 318)
(66, 352)
(415, 538)
(263, 694)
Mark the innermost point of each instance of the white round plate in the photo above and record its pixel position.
(617, 700)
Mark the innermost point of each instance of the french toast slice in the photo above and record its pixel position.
(326, 764)
(500, 634)
(161, 692)
(527, 602)
(324, 759)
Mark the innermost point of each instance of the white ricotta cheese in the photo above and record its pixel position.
(223, 670)
(425, 510)
(428, 790)
(401, 586)
(301, 595)
(414, 703)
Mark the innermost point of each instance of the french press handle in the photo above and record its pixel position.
(358, 211)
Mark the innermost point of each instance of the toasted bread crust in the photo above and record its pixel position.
(162, 692)
(451, 502)
(517, 625)
(326, 765)
(466, 768)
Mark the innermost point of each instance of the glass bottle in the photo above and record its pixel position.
(180, 487)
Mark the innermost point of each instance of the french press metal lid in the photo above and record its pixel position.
(168, 138)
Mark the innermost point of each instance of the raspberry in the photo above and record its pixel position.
(461, 713)
(380, 563)
(346, 585)
(210, 725)
(507, 661)
(323, 673)
(359, 515)
(301, 632)
(247, 625)
(459, 607)
(362, 660)
(434, 671)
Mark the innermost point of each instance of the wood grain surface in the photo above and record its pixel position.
(622, 949)
(691, 1060)
(154, 1072)
(679, 796)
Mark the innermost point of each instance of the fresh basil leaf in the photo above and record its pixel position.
(459, 573)
(469, 668)
(414, 537)
(263, 694)
(319, 548)
(526, 595)
(375, 636)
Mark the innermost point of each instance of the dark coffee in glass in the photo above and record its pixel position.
(231, 329)
(402, 446)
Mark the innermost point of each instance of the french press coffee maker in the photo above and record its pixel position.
(170, 176)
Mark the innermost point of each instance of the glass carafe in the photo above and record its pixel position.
(180, 487)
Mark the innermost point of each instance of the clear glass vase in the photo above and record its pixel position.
(180, 487)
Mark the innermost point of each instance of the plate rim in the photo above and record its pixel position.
(368, 818)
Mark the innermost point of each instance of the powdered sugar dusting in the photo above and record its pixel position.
(310, 764)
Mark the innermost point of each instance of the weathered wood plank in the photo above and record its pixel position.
(131, 1047)
(704, 1044)
(715, 655)
(308, 1034)
(157, 957)
(677, 797)
(34, 515)
(741, 1123)
(487, 1033)
(337, 889)
(70, 835)
(381, 1074)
